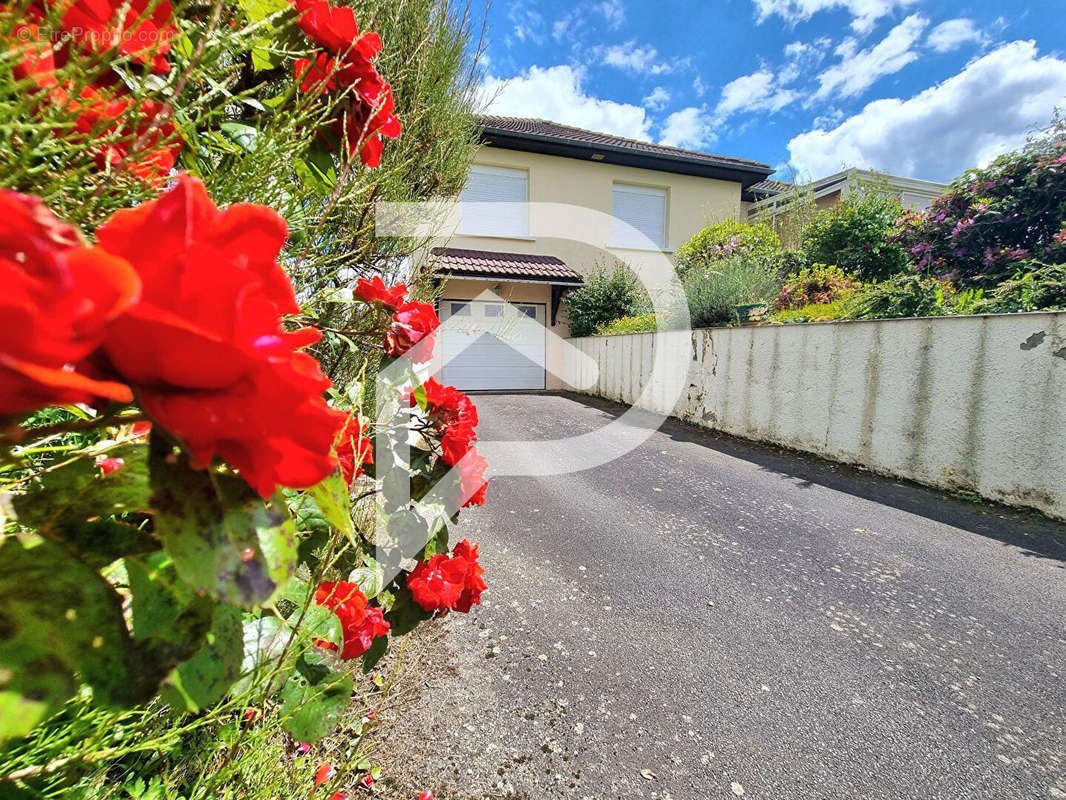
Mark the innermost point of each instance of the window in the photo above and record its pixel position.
(509, 188)
(643, 208)
(460, 309)
(493, 309)
(529, 311)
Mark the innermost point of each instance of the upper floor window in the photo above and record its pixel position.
(492, 185)
(643, 208)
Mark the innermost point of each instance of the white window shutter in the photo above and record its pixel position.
(643, 208)
(491, 185)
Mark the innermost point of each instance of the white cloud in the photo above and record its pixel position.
(658, 98)
(691, 128)
(699, 86)
(635, 58)
(865, 13)
(613, 12)
(556, 93)
(954, 33)
(985, 110)
(758, 91)
(528, 24)
(858, 69)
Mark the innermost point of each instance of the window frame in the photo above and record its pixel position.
(464, 228)
(646, 190)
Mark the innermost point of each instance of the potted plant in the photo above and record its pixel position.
(752, 313)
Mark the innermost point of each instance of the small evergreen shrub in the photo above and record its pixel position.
(903, 296)
(642, 323)
(1042, 288)
(606, 296)
(813, 312)
(816, 284)
(856, 235)
(725, 239)
(713, 293)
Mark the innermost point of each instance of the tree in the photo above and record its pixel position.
(856, 235)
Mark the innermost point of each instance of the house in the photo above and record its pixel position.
(530, 254)
(771, 195)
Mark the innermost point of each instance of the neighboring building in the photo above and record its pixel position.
(828, 192)
(666, 193)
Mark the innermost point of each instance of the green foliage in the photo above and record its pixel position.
(1041, 288)
(814, 312)
(725, 239)
(903, 296)
(607, 295)
(714, 293)
(993, 221)
(817, 284)
(856, 235)
(642, 323)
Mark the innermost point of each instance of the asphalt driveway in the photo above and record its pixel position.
(710, 618)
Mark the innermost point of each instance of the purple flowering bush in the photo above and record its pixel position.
(996, 222)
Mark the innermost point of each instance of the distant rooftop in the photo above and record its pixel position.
(553, 138)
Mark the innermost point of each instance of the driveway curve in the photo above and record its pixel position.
(706, 617)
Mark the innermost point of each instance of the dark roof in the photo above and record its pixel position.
(552, 138)
(770, 187)
(515, 266)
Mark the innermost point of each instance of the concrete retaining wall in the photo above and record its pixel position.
(973, 403)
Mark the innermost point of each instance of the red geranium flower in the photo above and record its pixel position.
(58, 297)
(142, 35)
(446, 405)
(472, 483)
(474, 585)
(360, 625)
(149, 149)
(354, 449)
(438, 582)
(108, 464)
(452, 582)
(324, 773)
(364, 125)
(205, 347)
(375, 291)
(335, 28)
(455, 442)
(36, 57)
(411, 323)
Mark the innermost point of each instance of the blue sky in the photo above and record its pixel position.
(922, 88)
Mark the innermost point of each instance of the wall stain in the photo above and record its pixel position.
(1060, 353)
(1034, 341)
(921, 409)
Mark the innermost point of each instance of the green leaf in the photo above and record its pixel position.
(258, 10)
(377, 650)
(245, 136)
(370, 578)
(405, 613)
(331, 497)
(314, 699)
(225, 541)
(76, 506)
(265, 639)
(205, 678)
(318, 622)
(58, 617)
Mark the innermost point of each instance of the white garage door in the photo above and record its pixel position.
(492, 345)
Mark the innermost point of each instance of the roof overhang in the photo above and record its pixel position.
(488, 265)
(679, 164)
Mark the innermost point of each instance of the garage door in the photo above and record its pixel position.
(492, 345)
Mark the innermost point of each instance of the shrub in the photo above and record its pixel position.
(642, 323)
(817, 284)
(902, 296)
(606, 296)
(856, 236)
(993, 220)
(714, 293)
(725, 239)
(813, 312)
(1042, 288)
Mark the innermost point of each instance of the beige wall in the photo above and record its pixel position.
(973, 403)
(463, 289)
(692, 203)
